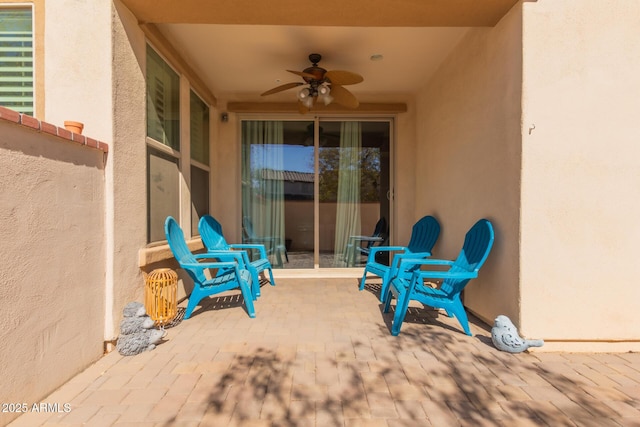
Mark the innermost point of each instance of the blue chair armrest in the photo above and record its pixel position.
(240, 257)
(208, 265)
(367, 238)
(218, 254)
(405, 259)
(427, 274)
(412, 255)
(389, 248)
(425, 261)
(374, 250)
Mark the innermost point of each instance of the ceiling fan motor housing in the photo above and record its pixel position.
(317, 72)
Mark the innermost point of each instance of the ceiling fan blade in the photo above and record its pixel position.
(341, 77)
(303, 74)
(281, 88)
(343, 97)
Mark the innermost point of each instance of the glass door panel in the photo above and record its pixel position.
(354, 190)
(281, 204)
(278, 190)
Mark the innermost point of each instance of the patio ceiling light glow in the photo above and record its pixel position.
(313, 90)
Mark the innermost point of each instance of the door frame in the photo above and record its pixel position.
(316, 118)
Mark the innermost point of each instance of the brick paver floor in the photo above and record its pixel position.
(320, 354)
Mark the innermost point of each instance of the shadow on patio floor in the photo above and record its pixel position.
(319, 353)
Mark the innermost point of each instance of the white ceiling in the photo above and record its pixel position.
(239, 62)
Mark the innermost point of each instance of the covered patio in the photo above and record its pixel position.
(320, 353)
(528, 119)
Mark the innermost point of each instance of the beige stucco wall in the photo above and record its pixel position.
(77, 58)
(532, 124)
(127, 177)
(468, 157)
(52, 274)
(580, 177)
(98, 79)
(95, 74)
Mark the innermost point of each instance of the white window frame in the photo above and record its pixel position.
(183, 155)
(195, 163)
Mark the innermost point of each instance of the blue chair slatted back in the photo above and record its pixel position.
(424, 235)
(179, 248)
(177, 243)
(475, 250)
(211, 234)
(381, 227)
(380, 230)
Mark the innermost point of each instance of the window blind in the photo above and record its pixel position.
(16, 60)
(163, 101)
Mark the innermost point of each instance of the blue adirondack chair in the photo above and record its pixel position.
(407, 285)
(354, 244)
(228, 275)
(213, 238)
(273, 245)
(424, 235)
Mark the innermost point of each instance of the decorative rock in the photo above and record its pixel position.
(137, 332)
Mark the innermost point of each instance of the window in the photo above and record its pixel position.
(163, 191)
(199, 118)
(163, 101)
(16, 59)
(163, 152)
(170, 169)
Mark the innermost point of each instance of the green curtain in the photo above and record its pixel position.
(262, 183)
(348, 197)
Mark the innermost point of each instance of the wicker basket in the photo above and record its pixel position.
(160, 295)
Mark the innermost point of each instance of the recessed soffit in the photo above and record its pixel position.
(369, 13)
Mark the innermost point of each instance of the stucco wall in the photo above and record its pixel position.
(95, 74)
(77, 58)
(52, 251)
(580, 178)
(226, 196)
(468, 158)
(126, 173)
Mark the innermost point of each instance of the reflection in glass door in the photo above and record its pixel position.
(282, 205)
(277, 190)
(354, 184)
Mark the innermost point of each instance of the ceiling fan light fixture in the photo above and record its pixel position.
(327, 99)
(324, 89)
(307, 102)
(304, 94)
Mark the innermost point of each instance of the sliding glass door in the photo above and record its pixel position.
(314, 192)
(354, 186)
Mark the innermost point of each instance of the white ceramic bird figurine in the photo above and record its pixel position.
(505, 337)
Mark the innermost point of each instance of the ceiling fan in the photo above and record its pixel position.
(321, 84)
